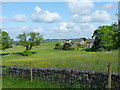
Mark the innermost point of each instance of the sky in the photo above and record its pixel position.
(56, 20)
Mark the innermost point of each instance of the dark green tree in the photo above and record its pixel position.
(29, 40)
(106, 38)
(5, 40)
(84, 39)
(66, 46)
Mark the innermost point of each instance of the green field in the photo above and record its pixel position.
(46, 56)
(17, 82)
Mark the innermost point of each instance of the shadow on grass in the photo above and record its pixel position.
(21, 53)
(17, 53)
(3, 54)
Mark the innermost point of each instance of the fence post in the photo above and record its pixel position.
(31, 74)
(109, 75)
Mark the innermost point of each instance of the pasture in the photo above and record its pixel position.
(17, 82)
(46, 56)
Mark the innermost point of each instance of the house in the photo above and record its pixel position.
(81, 41)
(90, 42)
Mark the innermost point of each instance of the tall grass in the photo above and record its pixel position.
(46, 56)
(17, 82)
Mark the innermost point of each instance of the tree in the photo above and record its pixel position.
(5, 40)
(58, 46)
(84, 39)
(30, 39)
(66, 46)
(106, 38)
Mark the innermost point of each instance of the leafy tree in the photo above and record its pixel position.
(84, 39)
(78, 45)
(30, 39)
(58, 46)
(5, 40)
(66, 46)
(106, 38)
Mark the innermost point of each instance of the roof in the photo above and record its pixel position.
(90, 40)
(78, 40)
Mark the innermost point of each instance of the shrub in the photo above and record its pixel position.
(26, 53)
(72, 48)
(78, 44)
(66, 46)
(58, 46)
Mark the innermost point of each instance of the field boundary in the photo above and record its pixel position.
(64, 76)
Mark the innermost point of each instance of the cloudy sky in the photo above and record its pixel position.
(56, 20)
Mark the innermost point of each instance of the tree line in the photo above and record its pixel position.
(106, 39)
(28, 40)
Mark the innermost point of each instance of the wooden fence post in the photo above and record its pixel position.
(109, 75)
(31, 74)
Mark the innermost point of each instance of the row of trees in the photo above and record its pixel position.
(106, 39)
(28, 40)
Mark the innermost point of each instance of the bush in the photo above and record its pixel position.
(72, 48)
(58, 46)
(78, 44)
(66, 46)
(26, 53)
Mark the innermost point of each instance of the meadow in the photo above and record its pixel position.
(17, 82)
(46, 56)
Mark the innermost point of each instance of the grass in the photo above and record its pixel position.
(46, 56)
(17, 82)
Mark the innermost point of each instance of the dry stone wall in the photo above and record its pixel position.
(68, 76)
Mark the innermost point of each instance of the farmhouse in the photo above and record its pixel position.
(90, 42)
(81, 41)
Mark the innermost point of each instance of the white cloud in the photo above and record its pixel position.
(30, 29)
(44, 16)
(79, 18)
(19, 18)
(81, 7)
(97, 16)
(101, 16)
(81, 12)
(107, 6)
(23, 27)
(72, 30)
(38, 29)
(62, 27)
(61, 31)
(37, 9)
(70, 25)
(16, 30)
(76, 28)
(87, 27)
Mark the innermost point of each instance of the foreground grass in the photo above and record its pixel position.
(46, 56)
(17, 82)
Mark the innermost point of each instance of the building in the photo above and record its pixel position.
(81, 41)
(90, 42)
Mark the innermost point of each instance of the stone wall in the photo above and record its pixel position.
(68, 76)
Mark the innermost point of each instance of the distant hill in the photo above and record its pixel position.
(49, 40)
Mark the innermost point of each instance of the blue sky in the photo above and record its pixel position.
(57, 20)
